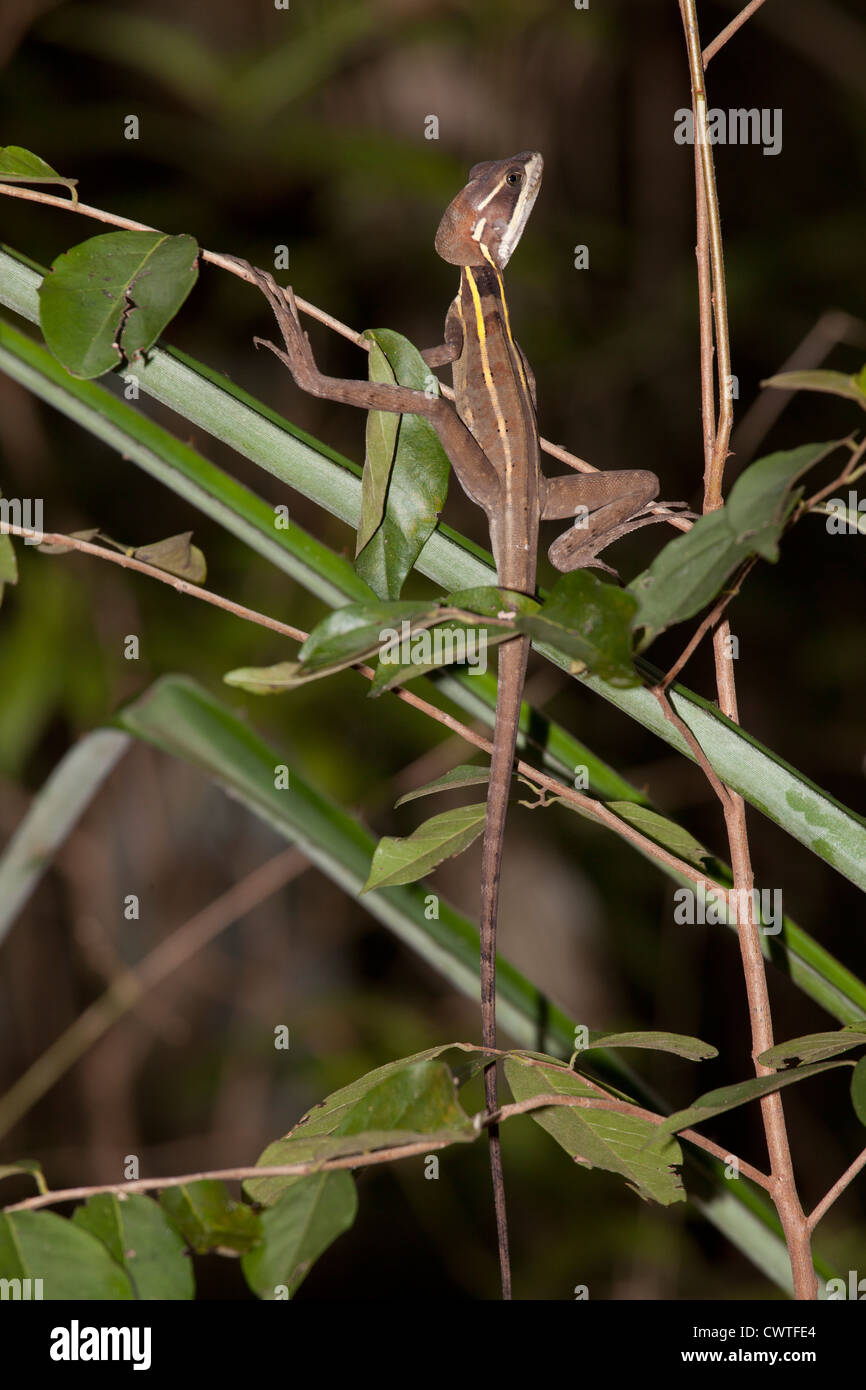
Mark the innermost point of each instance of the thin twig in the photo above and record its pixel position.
(182, 586)
(127, 989)
(721, 39)
(708, 623)
(670, 714)
(836, 1190)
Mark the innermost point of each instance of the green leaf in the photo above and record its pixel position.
(819, 380)
(591, 622)
(858, 1090)
(813, 1047)
(112, 296)
(139, 1238)
(405, 859)
(432, 647)
(69, 1261)
(759, 502)
(405, 1102)
(680, 1044)
(25, 1165)
(176, 555)
(382, 426)
(18, 165)
(413, 489)
(464, 775)
(355, 630)
(297, 1230)
(206, 1218)
(599, 1138)
(730, 1097)
(690, 572)
(663, 831)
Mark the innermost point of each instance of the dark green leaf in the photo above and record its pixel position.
(405, 859)
(382, 426)
(599, 1138)
(591, 622)
(71, 1263)
(691, 571)
(464, 775)
(814, 1047)
(206, 1218)
(730, 1097)
(140, 1239)
(20, 166)
(819, 380)
(680, 1044)
(112, 296)
(8, 562)
(663, 831)
(427, 649)
(356, 629)
(177, 555)
(416, 483)
(406, 1102)
(297, 1230)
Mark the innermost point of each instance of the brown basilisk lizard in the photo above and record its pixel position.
(492, 441)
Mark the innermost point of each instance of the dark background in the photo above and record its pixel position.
(306, 127)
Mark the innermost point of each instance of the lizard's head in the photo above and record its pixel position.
(486, 219)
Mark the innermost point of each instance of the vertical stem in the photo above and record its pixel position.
(716, 436)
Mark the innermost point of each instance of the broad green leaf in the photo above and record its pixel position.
(25, 1165)
(591, 622)
(730, 1097)
(429, 648)
(680, 1044)
(464, 775)
(414, 1103)
(382, 428)
(18, 165)
(691, 571)
(206, 1218)
(405, 859)
(819, 380)
(357, 629)
(177, 555)
(275, 680)
(308, 1218)
(814, 1047)
(492, 602)
(759, 500)
(599, 1138)
(139, 1238)
(112, 296)
(858, 1090)
(663, 831)
(413, 489)
(71, 1263)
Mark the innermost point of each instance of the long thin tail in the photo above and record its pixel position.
(513, 656)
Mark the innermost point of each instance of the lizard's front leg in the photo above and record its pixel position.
(606, 506)
(475, 471)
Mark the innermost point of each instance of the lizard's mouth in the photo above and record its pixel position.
(533, 165)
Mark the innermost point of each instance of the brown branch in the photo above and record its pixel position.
(713, 309)
(836, 1190)
(728, 32)
(182, 586)
(708, 623)
(722, 792)
(127, 989)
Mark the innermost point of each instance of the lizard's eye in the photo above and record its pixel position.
(513, 178)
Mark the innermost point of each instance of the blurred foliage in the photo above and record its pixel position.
(305, 127)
